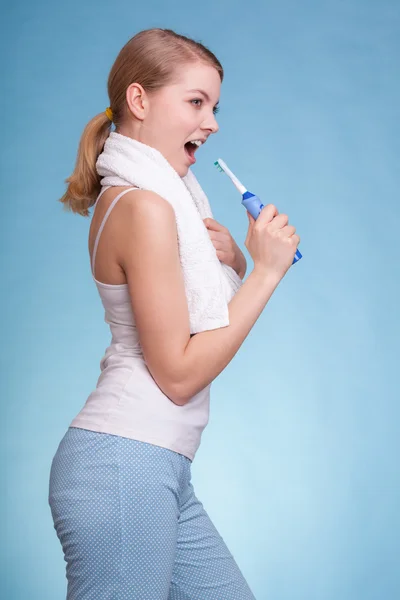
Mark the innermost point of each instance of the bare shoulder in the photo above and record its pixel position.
(134, 221)
(144, 202)
(145, 219)
(133, 201)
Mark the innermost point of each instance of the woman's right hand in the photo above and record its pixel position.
(271, 242)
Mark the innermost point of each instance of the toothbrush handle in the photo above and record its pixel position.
(253, 204)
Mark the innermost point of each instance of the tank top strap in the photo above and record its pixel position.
(113, 203)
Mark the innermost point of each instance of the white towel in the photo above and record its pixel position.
(209, 283)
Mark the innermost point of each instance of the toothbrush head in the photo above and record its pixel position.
(223, 168)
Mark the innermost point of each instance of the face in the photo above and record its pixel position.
(176, 114)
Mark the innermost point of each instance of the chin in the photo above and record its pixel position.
(182, 171)
(179, 168)
(185, 171)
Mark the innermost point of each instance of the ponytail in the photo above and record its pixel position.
(84, 183)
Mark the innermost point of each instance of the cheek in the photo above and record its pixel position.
(173, 127)
(171, 114)
(182, 118)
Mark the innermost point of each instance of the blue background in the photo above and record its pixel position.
(298, 466)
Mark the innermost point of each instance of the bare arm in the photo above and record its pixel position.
(149, 255)
(209, 352)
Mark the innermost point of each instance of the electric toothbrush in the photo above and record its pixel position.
(250, 201)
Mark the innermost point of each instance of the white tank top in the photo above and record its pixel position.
(127, 401)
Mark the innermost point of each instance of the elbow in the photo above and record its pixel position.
(172, 388)
(175, 391)
(178, 388)
(173, 383)
(178, 395)
(184, 392)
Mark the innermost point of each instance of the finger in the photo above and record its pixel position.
(214, 225)
(250, 217)
(296, 238)
(267, 214)
(221, 236)
(278, 222)
(218, 245)
(223, 256)
(288, 230)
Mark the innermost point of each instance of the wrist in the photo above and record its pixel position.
(266, 276)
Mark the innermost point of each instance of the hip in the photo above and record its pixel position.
(89, 465)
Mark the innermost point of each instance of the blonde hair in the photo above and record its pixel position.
(149, 58)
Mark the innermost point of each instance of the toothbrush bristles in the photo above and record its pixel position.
(221, 166)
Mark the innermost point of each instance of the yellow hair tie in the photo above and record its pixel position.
(109, 113)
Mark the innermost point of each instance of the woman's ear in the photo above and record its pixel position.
(136, 100)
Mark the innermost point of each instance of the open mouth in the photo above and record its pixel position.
(190, 149)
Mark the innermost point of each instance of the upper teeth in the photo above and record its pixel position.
(197, 142)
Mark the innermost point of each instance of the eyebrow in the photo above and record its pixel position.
(204, 94)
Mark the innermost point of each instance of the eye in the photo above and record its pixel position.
(215, 109)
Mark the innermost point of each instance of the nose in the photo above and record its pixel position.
(211, 124)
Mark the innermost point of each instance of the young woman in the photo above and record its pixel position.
(120, 492)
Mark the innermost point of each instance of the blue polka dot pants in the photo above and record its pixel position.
(131, 527)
